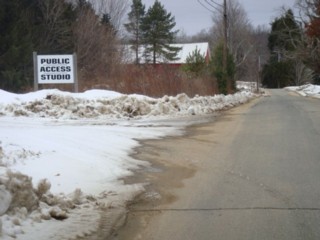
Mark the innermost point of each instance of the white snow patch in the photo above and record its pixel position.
(308, 90)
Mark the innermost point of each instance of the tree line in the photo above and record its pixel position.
(285, 54)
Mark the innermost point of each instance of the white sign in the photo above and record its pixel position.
(55, 69)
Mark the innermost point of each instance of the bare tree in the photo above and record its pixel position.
(306, 9)
(259, 56)
(202, 36)
(247, 45)
(96, 45)
(302, 73)
(309, 44)
(116, 9)
(239, 31)
(56, 25)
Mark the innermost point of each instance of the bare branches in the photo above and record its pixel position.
(240, 42)
(307, 8)
(56, 26)
(115, 9)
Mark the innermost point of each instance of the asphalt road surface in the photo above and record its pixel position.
(251, 174)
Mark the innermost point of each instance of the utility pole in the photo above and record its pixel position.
(213, 6)
(225, 45)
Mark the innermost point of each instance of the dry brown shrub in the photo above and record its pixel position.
(149, 80)
(160, 80)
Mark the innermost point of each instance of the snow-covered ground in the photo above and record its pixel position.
(63, 155)
(308, 90)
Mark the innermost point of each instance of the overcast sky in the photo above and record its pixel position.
(192, 17)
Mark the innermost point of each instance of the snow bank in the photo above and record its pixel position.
(60, 169)
(100, 104)
(308, 90)
(23, 206)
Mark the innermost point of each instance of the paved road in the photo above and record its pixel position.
(257, 177)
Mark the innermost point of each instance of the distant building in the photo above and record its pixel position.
(186, 50)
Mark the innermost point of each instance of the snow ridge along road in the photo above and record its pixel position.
(252, 174)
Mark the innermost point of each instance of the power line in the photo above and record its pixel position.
(212, 5)
(210, 10)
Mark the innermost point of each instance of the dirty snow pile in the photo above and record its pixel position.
(106, 104)
(308, 90)
(63, 155)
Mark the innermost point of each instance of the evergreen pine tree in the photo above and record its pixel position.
(195, 63)
(134, 26)
(279, 72)
(217, 65)
(16, 44)
(157, 31)
(284, 33)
